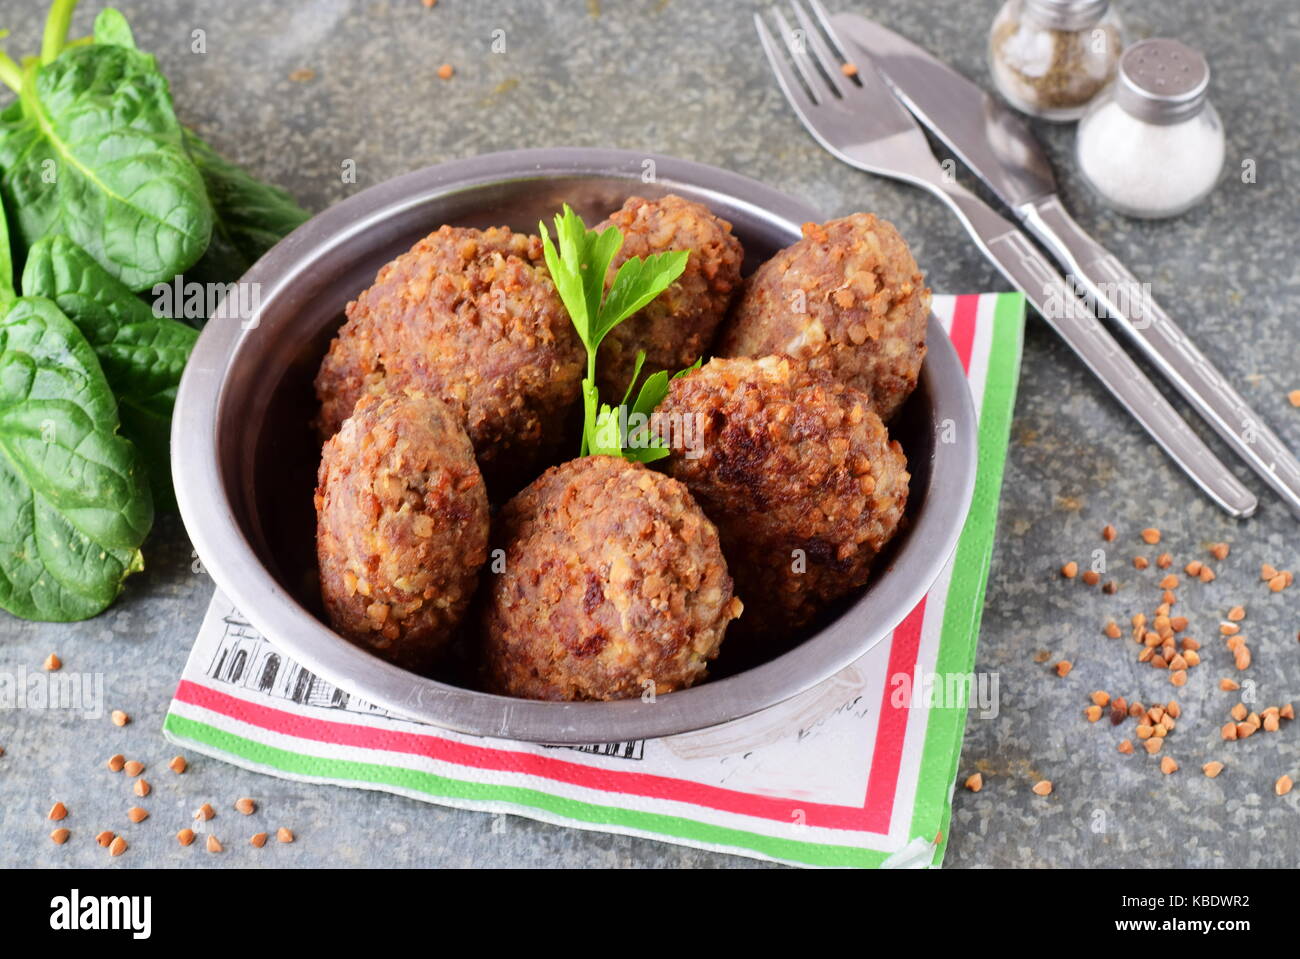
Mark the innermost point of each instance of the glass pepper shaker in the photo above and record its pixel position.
(1153, 145)
(1051, 58)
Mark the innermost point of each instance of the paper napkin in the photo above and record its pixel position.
(858, 771)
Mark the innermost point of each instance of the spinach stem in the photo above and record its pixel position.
(56, 29)
(10, 75)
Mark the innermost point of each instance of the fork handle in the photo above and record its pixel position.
(1165, 346)
(1029, 271)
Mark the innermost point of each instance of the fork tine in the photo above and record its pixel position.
(794, 91)
(841, 51)
(802, 62)
(829, 63)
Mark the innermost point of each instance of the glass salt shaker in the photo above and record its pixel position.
(1051, 58)
(1153, 145)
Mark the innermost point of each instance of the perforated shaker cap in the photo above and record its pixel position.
(1068, 14)
(1162, 81)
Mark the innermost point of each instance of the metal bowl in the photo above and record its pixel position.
(244, 458)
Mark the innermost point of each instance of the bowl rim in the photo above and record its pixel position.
(234, 566)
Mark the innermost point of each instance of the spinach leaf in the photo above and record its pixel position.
(92, 150)
(73, 493)
(111, 27)
(142, 355)
(250, 216)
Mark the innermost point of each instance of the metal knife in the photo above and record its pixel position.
(1002, 151)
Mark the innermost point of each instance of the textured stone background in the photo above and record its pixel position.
(686, 78)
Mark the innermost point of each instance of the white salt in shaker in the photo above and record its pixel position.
(1153, 146)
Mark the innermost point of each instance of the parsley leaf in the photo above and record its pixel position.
(655, 388)
(637, 282)
(578, 261)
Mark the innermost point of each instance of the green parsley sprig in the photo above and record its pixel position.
(579, 261)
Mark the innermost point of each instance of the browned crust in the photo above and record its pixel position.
(613, 584)
(676, 327)
(794, 467)
(848, 298)
(401, 527)
(472, 317)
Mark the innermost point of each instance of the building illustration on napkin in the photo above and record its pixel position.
(244, 658)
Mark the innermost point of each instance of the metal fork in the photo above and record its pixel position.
(855, 117)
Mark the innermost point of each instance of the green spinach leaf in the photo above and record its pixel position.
(111, 27)
(250, 216)
(92, 149)
(73, 493)
(142, 355)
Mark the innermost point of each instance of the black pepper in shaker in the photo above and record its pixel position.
(1051, 58)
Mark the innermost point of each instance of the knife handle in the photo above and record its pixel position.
(1118, 292)
(1029, 271)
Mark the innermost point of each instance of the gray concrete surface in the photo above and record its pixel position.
(686, 78)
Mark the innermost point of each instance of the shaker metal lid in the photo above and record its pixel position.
(1162, 81)
(1068, 14)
